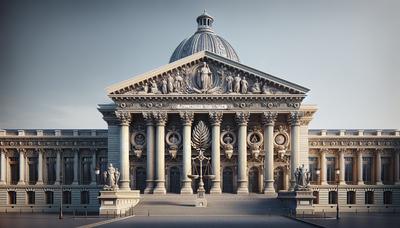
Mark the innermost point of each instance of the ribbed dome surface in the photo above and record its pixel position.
(204, 39)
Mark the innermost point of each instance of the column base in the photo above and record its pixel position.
(269, 189)
(216, 188)
(242, 188)
(160, 188)
(360, 183)
(39, 182)
(379, 183)
(149, 187)
(270, 193)
(21, 183)
(342, 182)
(186, 188)
(92, 183)
(324, 183)
(75, 183)
(124, 185)
(2, 183)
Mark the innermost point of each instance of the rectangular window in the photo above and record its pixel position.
(86, 163)
(313, 165)
(369, 197)
(49, 197)
(387, 197)
(385, 174)
(68, 170)
(51, 170)
(32, 170)
(66, 197)
(348, 170)
(330, 172)
(367, 170)
(351, 197)
(31, 197)
(14, 168)
(85, 197)
(316, 197)
(103, 167)
(332, 197)
(12, 197)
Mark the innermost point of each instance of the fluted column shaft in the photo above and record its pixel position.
(21, 167)
(242, 119)
(149, 152)
(323, 168)
(160, 118)
(216, 119)
(360, 168)
(3, 167)
(378, 167)
(93, 167)
(187, 119)
(269, 121)
(58, 167)
(341, 167)
(76, 162)
(40, 167)
(396, 167)
(295, 149)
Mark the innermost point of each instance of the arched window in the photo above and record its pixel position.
(369, 197)
(351, 197)
(316, 197)
(332, 197)
(387, 197)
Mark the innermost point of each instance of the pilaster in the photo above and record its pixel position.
(242, 118)
(125, 119)
(294, 119)
(187, 119)
(216, 119)
(160, 120)
(268, 120)
(148, 117)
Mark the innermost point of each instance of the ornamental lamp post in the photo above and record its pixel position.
(318, 172)
(337, 193)
(97, 172)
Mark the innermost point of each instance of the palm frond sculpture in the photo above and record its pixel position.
(201, 137)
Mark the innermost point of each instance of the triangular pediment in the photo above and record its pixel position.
(205, 73)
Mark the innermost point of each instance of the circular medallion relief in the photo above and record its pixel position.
(138, 139)
(280, 139)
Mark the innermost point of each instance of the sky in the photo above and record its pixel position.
(57, 57)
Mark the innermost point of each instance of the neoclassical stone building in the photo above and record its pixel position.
(256, 135)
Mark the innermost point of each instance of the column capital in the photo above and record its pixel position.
(269, 118)
(124, 117)
(294, 118)
(360, 150)
(242, 118)
(379, 150)
(323, 150)
(215, 117)
(186, 117)
(148, 118)
(342, 150)
(160, 118)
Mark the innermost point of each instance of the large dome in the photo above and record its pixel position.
(204, 39)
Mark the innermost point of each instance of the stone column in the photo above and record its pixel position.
(396, 177)
(216, 119)
(360, 167)
(269, 119)
(341, 167)
(40, 167)
(187, 119)
(21, 167)
(323, 170)
(294, 119)
(378, 167)
(125, 119)
(242, 119)
(94, 164)
(160, 119)
(58, 167)
(3, 167)
(76, 162)
(149, 152)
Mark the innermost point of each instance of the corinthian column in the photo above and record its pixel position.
(269, 119)
(3, 167)
(76, 162)
(396, 167)
(323, 167)
(149, 152)
(341, 167)
(378, 167)
(21, 167)
(216, 119)
(242, 119)
(360, 167)
(93, 166)
(187, 119)
(294, 128)
(125, 119)
(58, 166)
(40, 167)
(160, 119)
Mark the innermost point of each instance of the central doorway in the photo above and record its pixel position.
(227, 180)
(254, 177)
(174, 180)
(140, 179)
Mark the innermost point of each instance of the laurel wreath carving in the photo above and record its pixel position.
(201, 137)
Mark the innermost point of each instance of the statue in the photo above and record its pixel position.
(205, 77)
(154, 88)
(302, 179)
(256, 87)
(236, 87)
(170, 83)
(178, 82)
(164, 88)
(265, 89)
(111, 178)
(244, 85)
(229, 81)
(145, 88)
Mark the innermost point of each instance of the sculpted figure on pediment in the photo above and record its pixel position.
(205, 78)
(164, 88)
(236, 87)
(256, 87)
(229, 83)
(244, 85)
(145, 88)
(178, 82)
(265, 89)
(154, 87)
(170, 83)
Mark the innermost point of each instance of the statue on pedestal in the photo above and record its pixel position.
(111, 178)
(302, 179)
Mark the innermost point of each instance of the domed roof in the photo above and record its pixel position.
(204, 39)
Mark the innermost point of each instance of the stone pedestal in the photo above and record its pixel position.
(300, 202)
(118, 201)
(201, 202)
